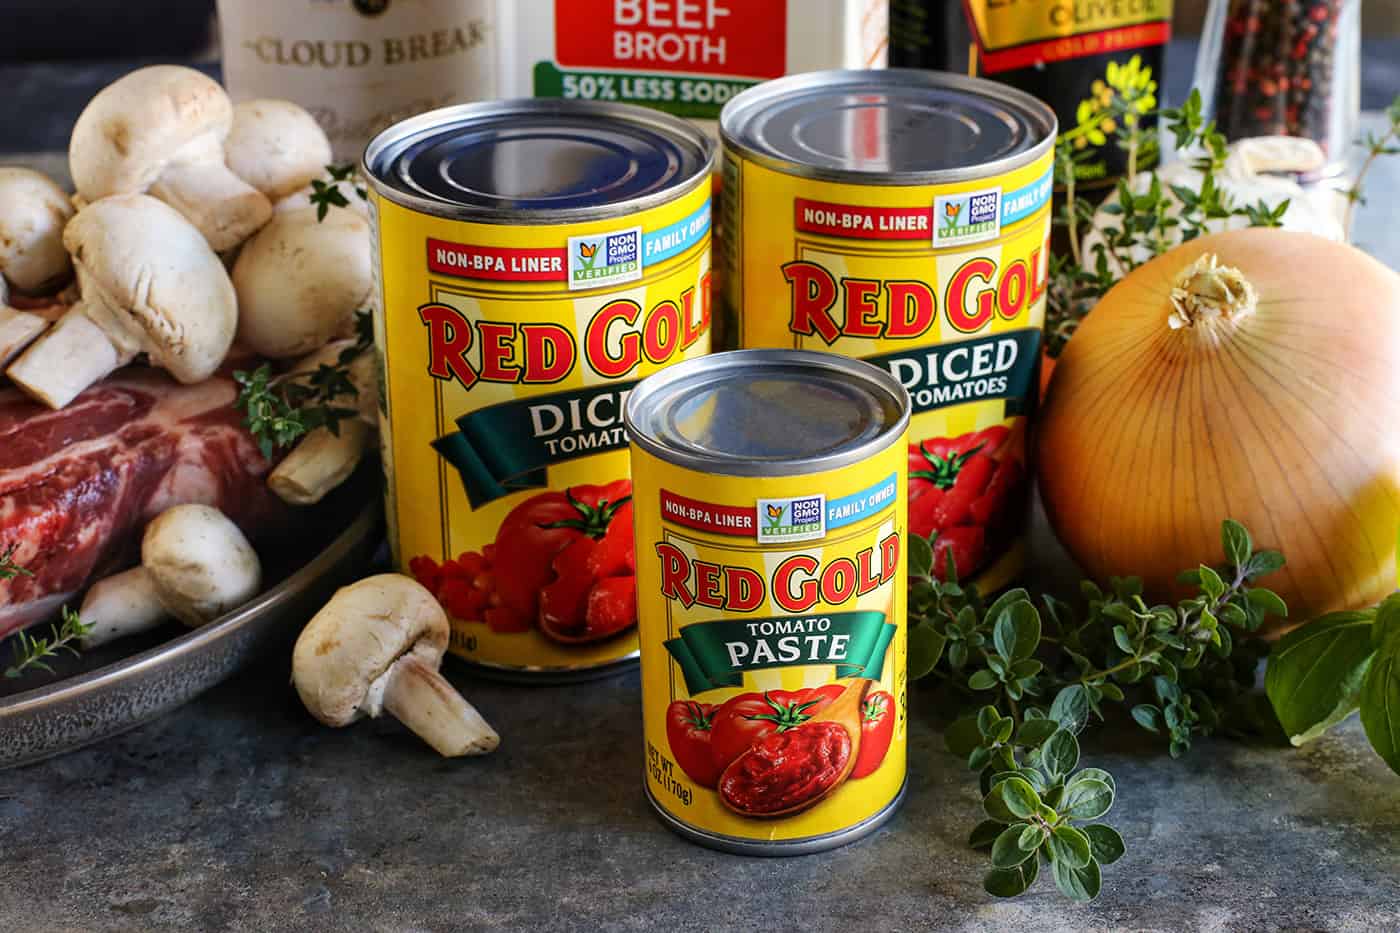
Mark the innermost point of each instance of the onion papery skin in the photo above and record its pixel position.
(1286, 419)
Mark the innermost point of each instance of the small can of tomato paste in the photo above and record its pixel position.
(769, 493)
(535, 259)
(903, 217)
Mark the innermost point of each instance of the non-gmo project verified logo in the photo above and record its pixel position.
(605, 258)
(970, 217)
(801, 518)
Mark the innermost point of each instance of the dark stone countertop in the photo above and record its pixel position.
(239, 812)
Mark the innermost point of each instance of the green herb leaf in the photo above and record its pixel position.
(1068, 845)
(33, 653)
(1011, 882)
(1034, 732)
(1104, 842)
(920, 556)
(1071, 708)
(983, 680)
(1080, 884)
(1380, 703)
(925, 648)
(985, 833)
(1086, 799)
(962, 736)
(1007, 851)
(1017, 632)
(1060, 753)
(1020, 798)
(1315, 673)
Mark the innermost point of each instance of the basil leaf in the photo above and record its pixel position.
(925, 648)
(1380, 703)
(1315, 673)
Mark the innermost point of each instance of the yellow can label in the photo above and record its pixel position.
(508, 354)
(944, 286)
(773, 645)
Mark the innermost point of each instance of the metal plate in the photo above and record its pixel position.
(129, 683)
(890, 126)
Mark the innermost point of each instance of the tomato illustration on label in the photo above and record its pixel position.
(572, 568)
(743, 720)
(689, 732)
(966, 495)
(876, 730)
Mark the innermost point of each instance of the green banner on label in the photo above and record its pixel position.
(716, 654)
(505, 448)
(693, 96)
(1000, 366)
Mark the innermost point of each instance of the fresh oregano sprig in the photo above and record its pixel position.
(1033, 671)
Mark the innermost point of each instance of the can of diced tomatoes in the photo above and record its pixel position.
(534, 259)
(903, 217)
(769, 494)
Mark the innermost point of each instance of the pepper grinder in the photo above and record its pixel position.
(1284, 67)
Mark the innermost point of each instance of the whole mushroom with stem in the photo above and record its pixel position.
(301, 280)
(377, 646)
(33, 213)
(162, 129)
(150, 284)
(196, 565)
(276, 146)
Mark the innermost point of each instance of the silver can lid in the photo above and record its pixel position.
(893, 126)
(537, 161)
(767, 412)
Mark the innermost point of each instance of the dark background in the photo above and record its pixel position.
(55, 54)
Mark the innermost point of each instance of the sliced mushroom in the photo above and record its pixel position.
(300, 281)
(195, 565)
(276, 146)
(324, 459)
(33, 212)
(150, 284)
(162, 128)
(377, 646)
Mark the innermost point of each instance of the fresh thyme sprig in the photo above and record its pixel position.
(325, 195)
(279, 410)
(1042, 674)
(1387, 143)
(8, 568)
(1144, 225)
(31, 653)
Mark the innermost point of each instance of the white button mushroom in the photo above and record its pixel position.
(324, 459)
(195, 565)
(300, 281)
(162, 128)
(377, 645)
(276, 146)
(33, 212)
(150, 284)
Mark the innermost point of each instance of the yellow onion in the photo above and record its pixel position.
(1254, 375)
